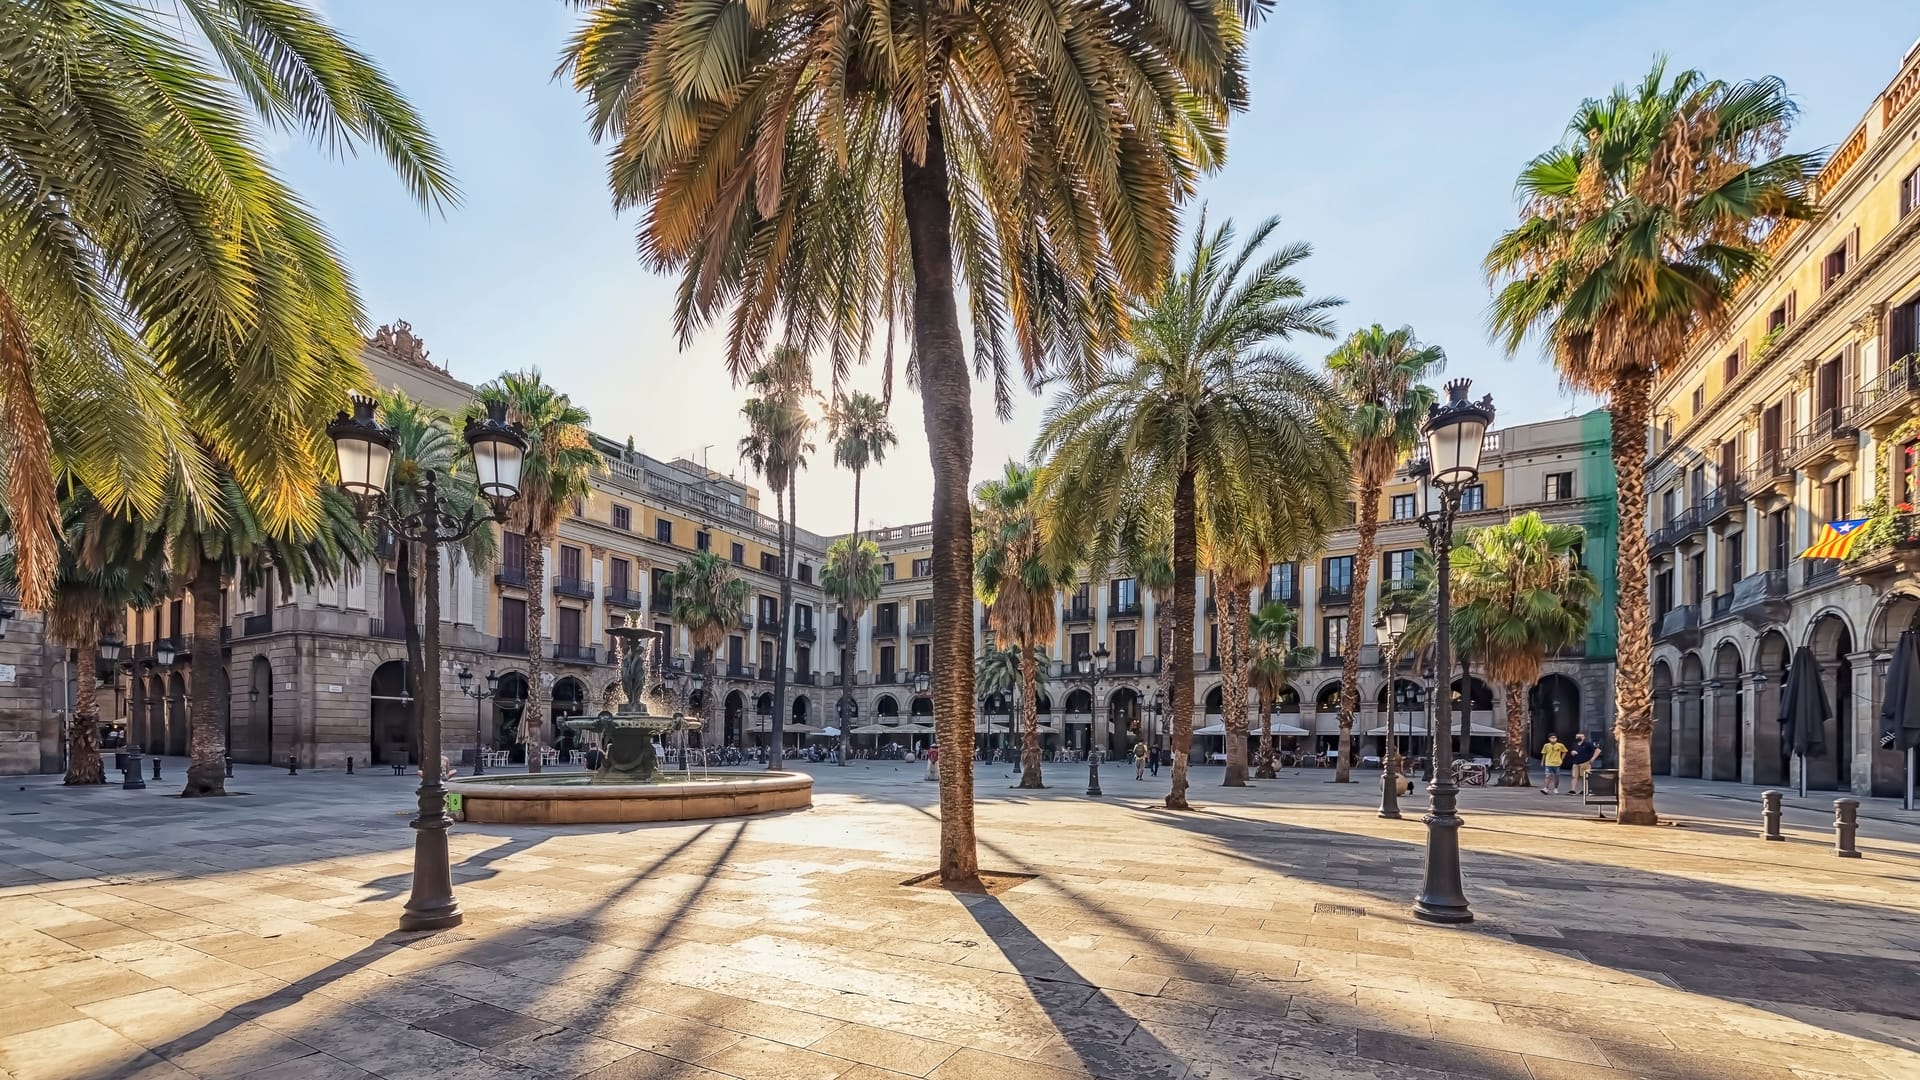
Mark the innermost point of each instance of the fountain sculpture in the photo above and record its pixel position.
(626, 738)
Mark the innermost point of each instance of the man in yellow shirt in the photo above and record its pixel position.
(1551, 755)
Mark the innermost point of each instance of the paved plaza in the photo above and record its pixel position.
(1266, 934)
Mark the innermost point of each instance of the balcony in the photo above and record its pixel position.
(1888, 399)
(738, 670)
(512, 646)
(1830, 433)
(1724, 503)
(661, 602)
(1772, 474)
(513, 576)
(805, 633)
(1677, 528)
(886, 630)
(1761, 599)
(1079, 613)
(805, 678)
(1719, 606)
(1681, 625)
(578, 588)
(575, 653)
(621, 597)
(1819, 572)
(1289, 597)
(840, 635)
(1897, 558)
(920, 628)
(1337, 594)
(1129, 609)
(766, 673)
(255, 625)
(1213, 663)
(391, 629)
(769, 624)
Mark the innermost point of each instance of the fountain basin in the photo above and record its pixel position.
(579, 800)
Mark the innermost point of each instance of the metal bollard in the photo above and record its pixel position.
(229, 768)
(1093, 775)
(130, 779)
(350, 765)
(156, 767)
(1846, 826)
(1770, 816)
(293, 768)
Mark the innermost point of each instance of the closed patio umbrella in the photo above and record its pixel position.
(1804, 712)
(1900, 715)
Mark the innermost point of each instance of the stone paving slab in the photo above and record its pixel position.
(1265, 935)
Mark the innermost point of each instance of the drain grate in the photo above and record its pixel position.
(1339, 909)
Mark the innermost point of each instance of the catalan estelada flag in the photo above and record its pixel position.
(1835, 540)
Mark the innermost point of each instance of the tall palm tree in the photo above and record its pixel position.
(559, 467)
(708, 601)
(1210, 413)
(1524, 596)
(839, 171)
(857, 424)
(775, 446)
(1018, 576)
(1379, 373)
(424, 442)
(851, 577)
(163, 290)
(998, 671)
(1637, 233)
(1273, 632)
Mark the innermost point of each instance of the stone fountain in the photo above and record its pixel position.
(628, 784)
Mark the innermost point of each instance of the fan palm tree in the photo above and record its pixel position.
(1210, 412)
(164, 293)
(836, 170)
(997, 671)
(1017, 580)
(1637, 234)
(1524, 596)
(559, 467)
(1379, 373)
(851, 577)
(1273, 634)
(861, 433)
(708, 601)
(776, 446)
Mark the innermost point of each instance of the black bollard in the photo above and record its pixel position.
(131, 779)
(1846, 827)
(1770, 816)
(293, 767)
(156, 767)
(229, 768)
(1093, 775)
(349, 764)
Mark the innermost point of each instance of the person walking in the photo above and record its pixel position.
(1581, 759)
(1139, 761)
(1551, 755)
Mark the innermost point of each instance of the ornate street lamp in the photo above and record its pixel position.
(163, 652)
(479, 696)
(1388, 627)
(1455, 433)
(364, 448)
(1089, 668)
(110, 647)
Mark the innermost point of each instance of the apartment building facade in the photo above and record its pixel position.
(1804, 411)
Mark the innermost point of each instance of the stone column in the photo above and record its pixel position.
(1711, 693)
(1869, 676)
(1676, 730)
(1755, 695)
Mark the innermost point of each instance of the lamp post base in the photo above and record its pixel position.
(431, 906)
(1443, 898)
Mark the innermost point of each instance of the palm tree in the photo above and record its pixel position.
(998, 671)
(163, 289)
(1379, 373)
(1273, 633)
(91, 594)
(708, 601)
(1210, 413)
(424, 442)
(1017, 578)
(839, 171)
(560, 464)
(1523, 597)
(861, 433)
(1637, 234)
(775, 446)
(850, 576)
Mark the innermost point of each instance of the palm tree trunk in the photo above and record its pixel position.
(1029, 718)
(946, 408)
(847, 634)
(1233, 680)
(83, 727)
(777, 759)
(533, 715)
(1180, 700)
(1263, 764)
(1633, 680)
(854, 536)
(1513, 760)
(207, 766)
(1369, 513)
(403, 580)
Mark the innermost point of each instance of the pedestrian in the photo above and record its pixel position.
(1139, 761)
(1153, 761)
(1551, 755)
(1582, 757)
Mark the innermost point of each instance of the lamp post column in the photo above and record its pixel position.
(1442, 895)
(1389, 783)
(432, 905)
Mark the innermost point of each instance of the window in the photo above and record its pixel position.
(1082, 599)
(703, 540)
(663, 530)
(1080, 645)
(1777, 318)
(887, 663)
(1663, 593)
(923, 613)
(806, 573)
(513, 554)
(1405, 507)
(1669, 506)
(1836, 499)
(1697, 578)
(1833, 267)
(619, 575)
(923, 567)
(1334, 638)
(769, 563)
(1779, 539)
(623, 517)
(766, 659)
(1396, 568)
(661, 582)
(803, 658)
(923, 658)
(887, 617)
(803, 617)
(1559, 486)
(1283, 582)
(1666, 430)
(1730, 369)
(1699, 400)
(1697, 489)
(1735, 561)
(1909, 192)
(513, 622)
(1337, 574)
(1124, 595)
(579, 507)
(567, 627)
(886, 571)
(1473, 497)
(1123, 646)
(736, 652)
(739, 554)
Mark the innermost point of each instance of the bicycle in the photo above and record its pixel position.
(1470, 774)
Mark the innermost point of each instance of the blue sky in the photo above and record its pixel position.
(1385, 133)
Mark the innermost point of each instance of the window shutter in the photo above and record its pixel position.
(1853, 248)
(1793, 307)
